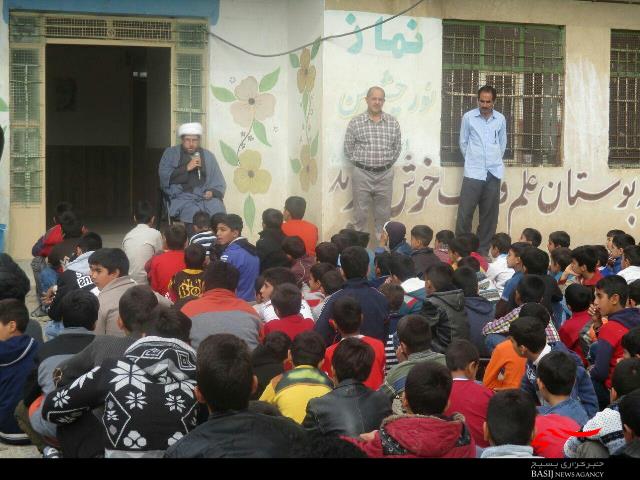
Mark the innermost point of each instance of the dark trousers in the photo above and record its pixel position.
(485, 194)
(83, 438)
(602, 393)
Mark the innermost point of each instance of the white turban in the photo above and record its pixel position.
(190, 129)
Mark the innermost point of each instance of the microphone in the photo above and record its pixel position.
(197, 155)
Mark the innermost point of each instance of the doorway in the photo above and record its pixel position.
(108, 120)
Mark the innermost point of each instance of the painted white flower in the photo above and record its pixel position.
(112, 415)
(129, 374)
(135, 440)
(135, 400)
(60, 399)
(174, 438)
(80, 380)
(187, 386)
(175, 402)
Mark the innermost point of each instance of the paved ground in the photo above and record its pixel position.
(111, 237)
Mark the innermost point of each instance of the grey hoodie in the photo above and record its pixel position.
(508, 451)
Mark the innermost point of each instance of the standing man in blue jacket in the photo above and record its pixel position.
(483, 141)
(239, 253)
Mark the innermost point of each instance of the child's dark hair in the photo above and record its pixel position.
(167, 322)
(278, 343)
(352, 359)
(201, 219)
(347, 313)
(134, 306)
(634, 291)
(112, 259)
(626, 376)
(557, 370)
(602, 255)
(341, 242)
(469, 262)
(382, 261)
(623, 241)
(402, 266)
(518, 248)
(440, 275)
(327, 252)
(422, 233)
(352, 235)
(461, 245)
(531, 288)
(71, 226)
(630, 412)
(394, 295)
(585, 256)
(90, 242)
(354, 262)
(233, 221)
(62, 207)
(221, 274)
(614, 232)
(294, 246)
(560, 238)
(79, 308)
(561, 256)
(632, 255)
(535, 260)
(12, 310)
(331, 282)
(460, 353)
(578, 297)
(286, 299)
(472, 239)
(502, 242)
(614, 285)
(144, 211)
(427, 388)
(363, 239)
(466, 279)
(444, 237)
(631, 341)
(278, 275)
(272, 218)
(194, 256)
(176, 236)
(224, 372)
(307, 349)
(415, 332)
(215, 219)
(532, 235)
(319, 269)
(296, 206)
(528, 332)
(536, 310)
(511, 417)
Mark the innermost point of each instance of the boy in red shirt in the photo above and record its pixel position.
(578, 298)
(294, 208)
(164, 266)
(583, 266)
(468, 397)
(347, 318)
(287, 300)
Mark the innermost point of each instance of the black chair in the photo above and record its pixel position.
(163, 209)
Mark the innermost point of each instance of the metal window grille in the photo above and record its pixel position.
(189, 88)
(525, 64)
(624, 100)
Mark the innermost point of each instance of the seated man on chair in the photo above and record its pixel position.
(191, 177)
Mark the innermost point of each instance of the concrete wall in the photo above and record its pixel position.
(4, 124)
(591, 197)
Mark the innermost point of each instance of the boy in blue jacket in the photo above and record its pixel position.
(239, 253)
(529, 340)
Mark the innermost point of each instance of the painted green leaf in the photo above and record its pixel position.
(269, 80)
(261, 133)
(314, 146)
(229, 154)
(3, 106)
(315, 48)
(249, 211)
(295, 61)
(295, 165)
(305, 102)
(223, 94)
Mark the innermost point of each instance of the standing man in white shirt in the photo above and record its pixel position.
(483, 141)
(142, 242)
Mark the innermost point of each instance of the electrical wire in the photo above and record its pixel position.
(319, 40)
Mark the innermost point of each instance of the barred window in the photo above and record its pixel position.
(525, 64)
(624, 100)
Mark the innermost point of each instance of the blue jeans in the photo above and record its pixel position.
(493, 340)
(53, 328)
(48, 278)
